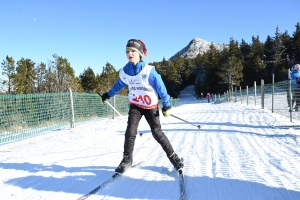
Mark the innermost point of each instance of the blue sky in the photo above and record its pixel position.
(90, 33)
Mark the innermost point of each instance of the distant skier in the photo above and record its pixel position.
(144, 85)
(208, 97)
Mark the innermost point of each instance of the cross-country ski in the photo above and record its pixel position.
(109, 181)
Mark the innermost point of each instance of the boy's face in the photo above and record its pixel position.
(132, 55)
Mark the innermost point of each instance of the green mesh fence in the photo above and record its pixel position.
(25, 115)
(276, 97)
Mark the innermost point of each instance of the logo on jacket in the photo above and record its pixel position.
(134, 81)
(144, 76)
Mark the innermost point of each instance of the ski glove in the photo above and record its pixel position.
(105, 96)
(298, 80)
(166, 110)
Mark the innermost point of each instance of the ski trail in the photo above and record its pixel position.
(278, 163)
(240, 152)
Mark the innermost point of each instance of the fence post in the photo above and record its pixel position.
(72, 109)
(273, 92)
(227, 96)
(247, 95)
(262, 94)
(241, 94)
(290, 95)
(255, 93)
(235, 94)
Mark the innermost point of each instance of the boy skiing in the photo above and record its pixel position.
(145, 85)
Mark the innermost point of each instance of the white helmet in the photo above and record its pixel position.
(297, 66)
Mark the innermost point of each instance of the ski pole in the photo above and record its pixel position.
(110, 105)
(113, 108)
(186, 121)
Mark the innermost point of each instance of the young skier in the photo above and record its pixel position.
(144, 85)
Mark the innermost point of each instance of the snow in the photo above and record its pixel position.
(240, 152)
(198, 46)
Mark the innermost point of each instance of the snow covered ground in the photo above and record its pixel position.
(240, 152)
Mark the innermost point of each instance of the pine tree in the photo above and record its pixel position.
(173, 80)
(41, 78)
(65, 74)
(296, 45)
(279, 52)
(200, 71)
(50, 79)
(88, 80)
(8, 69)
(247, 71)
(107, 78)
(212, 67)
(269, 55)
(187, 73)
(253, 65)
(231, 65)
(284, 63)
(24, 78)
(231, 72)
(235, 50)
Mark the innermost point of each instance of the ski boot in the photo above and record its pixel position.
(124, 165)
(176, 161)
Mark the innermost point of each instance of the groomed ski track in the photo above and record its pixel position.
(240, 152)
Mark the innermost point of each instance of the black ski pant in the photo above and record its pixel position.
(152, 116)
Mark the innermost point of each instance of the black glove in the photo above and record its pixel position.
(166, 110)
(298, 80)
(105, 96)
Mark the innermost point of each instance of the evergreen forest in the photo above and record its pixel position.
(238, 65)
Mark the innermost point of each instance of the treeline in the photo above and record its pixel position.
(27, 77)
(239, 64)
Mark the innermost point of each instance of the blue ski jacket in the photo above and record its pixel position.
(154, 79)
(294, 75)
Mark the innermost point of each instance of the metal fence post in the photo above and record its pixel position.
(235, 94)
(227, 96)
(241, 95)
(290, 96)
(255, 93)
(273, 92)
(247, 95)
(262, 94)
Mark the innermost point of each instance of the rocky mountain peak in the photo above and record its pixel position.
(197, 46)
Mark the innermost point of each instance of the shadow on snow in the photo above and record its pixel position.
(81, 180)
